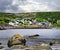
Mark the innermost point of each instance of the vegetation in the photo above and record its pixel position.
(26, 23)
(56, 25)
(51, 17)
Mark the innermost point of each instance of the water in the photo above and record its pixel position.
(45, 35)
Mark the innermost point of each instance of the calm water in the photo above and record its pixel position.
(44, 33)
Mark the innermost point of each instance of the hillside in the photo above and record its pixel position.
(6, 17)
(51, 17)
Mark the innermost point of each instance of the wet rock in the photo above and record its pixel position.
(38, 47)
(16, 39)
(0, 43)
(45, 47)
(1, 47)
(29, 49)
(18, 47)
(41, 47)
(50, 43)
(36, 35)
(2, 28)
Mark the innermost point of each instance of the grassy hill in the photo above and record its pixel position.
(50, 16)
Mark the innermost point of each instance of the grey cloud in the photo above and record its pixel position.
(52, 4)
(6, 5)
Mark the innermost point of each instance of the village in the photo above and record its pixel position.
(39, 20)
(29, 23)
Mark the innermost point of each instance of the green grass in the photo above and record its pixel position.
(56, 25)
(26, 24)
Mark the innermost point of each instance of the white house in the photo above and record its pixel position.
(43, 24)
(30, 22)
(11, 23)
(58, 21)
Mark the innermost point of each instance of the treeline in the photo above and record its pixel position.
(6, 17)
(50, 16)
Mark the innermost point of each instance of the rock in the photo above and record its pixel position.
(38, 47)
(41, 47)
(50, 43)
(18, 47)
(1, 47)
(0, 43)
(16, 39)
(2, 27)
(36, 35)
(45, 47)
(29, 49)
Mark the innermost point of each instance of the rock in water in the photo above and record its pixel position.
(16, 39)
(41, 47)
(45, 47)
(1, 47)
(18, 47)
(35, 35)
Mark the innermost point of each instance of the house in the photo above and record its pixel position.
(45, 24)
(12, 23)
(58, 21)
(20, 23)
(34, 22)
(30, 22)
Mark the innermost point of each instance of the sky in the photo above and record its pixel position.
(18, 6)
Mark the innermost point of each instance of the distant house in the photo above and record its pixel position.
(20, 23)
(16, 22)
(50, 24)
(43, 24)
(58, 21)
(30, 22)
(12, 23)
(34, 22)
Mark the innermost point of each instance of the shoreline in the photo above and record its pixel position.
(6, 26)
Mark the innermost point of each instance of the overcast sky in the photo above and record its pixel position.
(29, 5)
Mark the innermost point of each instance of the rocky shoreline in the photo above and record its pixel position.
(6, 26)
(18, 41)
(21, 47)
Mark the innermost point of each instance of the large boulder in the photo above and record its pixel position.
(16, 39)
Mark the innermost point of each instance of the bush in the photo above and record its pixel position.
(56, 25)
(26, 23)
(39, 19)
(2, 22)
